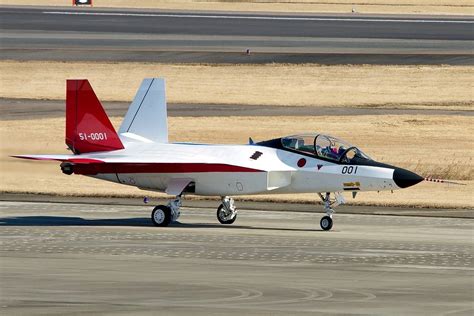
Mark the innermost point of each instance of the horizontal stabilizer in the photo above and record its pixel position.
(147, 115)
(68, 158)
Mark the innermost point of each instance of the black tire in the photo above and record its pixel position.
(221, 213)
(161, 216)
(326, 223)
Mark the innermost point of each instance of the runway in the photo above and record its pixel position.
(108, 259)
(164, 36)
(24, 109)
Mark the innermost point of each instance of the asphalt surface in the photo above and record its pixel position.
(210, 203)
(164, 36)
(20, 109)
(84, 258)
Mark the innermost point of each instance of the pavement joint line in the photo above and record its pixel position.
(243, 17)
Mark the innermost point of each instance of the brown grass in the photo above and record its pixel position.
(306, 6)
(447, 87)
(440, 143)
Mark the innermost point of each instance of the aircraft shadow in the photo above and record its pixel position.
(72, 221)
(233, 226)
(126, 222)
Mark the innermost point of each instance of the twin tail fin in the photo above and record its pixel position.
(88, 128)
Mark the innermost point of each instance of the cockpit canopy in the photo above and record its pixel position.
(325, 147)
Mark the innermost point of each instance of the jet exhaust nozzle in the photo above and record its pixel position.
(67, 168)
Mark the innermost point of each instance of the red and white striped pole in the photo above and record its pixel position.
(429, 179)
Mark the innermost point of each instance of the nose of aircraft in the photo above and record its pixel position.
(404, 178)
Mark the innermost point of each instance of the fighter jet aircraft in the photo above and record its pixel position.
(140, 155)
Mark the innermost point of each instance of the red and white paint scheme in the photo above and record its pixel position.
(140, 155)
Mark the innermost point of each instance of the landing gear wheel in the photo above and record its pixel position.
(326, 223)
(161, 216)
(222, 216)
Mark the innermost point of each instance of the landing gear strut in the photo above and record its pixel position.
(327, 222)
(163, 215)
(226, 212)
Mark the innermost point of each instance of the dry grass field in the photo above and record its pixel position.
(446, 87)
(431, 145)
(465, 7)
(438, 146)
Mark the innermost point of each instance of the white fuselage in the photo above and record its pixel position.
(222, 170)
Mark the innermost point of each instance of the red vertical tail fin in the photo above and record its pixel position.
(88, 129)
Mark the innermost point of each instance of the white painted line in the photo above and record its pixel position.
(246, 17)
(404, 266)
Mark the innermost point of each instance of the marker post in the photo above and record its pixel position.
(77, 3)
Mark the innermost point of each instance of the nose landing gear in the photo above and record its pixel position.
(326, 222)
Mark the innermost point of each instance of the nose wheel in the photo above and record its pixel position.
(326, 222)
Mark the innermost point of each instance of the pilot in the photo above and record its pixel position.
(330, 152)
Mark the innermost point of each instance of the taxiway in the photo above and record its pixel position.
(28, 33)
(109, 259)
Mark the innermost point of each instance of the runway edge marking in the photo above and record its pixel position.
(196, 16)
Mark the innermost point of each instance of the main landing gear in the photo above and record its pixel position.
(163, 215)
(327, 222)
(226, 212)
